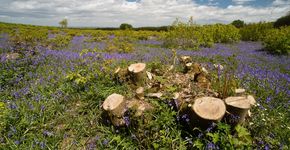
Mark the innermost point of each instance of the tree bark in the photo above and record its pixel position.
(238, 107)
(115, 106)
(137, 73)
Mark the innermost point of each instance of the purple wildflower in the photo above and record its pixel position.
(17, 142)
(211, 146)
(127, 120)
(13, 106)
(47, 133)
(105, 142)
(42, 145)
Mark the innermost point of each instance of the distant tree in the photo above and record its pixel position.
(125, 26)
(63, 23)
(283, 21)
(238, 23)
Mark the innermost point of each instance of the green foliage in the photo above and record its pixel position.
(192, 36)
(118, 45)
(63, 23)
(224, 80)
(158, 130)
(282, 21)
(125, 26)
(25, 40)
(222, 137)
(3, 112)
(238, 23)
(77, 78)
(225, 33)
(255, 31)
(59, 41)
(49, 102)
(277, 41)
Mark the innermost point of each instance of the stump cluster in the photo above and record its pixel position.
(190, 90)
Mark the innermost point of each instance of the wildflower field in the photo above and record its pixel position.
(53, 82)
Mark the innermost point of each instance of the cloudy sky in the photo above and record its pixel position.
(111, 13)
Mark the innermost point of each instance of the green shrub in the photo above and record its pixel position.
(124, 26)
(278, 41)
(60, 41)
(282, 21)
(192, 36)
(225, 33)
(238, 23)
(27, 39)
(255, 31)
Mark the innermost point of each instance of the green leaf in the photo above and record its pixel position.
(198, 144)
(242, 132)
(155, 145)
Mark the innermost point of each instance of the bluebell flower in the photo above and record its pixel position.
(127, 120)
(47, 133)
(105, 142)
(42, 145)
(17, 142)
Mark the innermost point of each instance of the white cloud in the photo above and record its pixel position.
(142, 13)
(281, 2)
(241, 2)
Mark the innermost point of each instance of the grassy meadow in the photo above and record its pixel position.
(53, 82)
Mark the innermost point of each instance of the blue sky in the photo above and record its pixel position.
(226, 3)
(111, 13)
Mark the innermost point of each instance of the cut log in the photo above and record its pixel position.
(238, 107)
(185, 59)
(139, 106)
(154, 95)
(171, 68)
(194, 68)
(12, 56)
(252, 100)
(117, 70)
(115, 106)
(218, 66)
(206, 110)
(202, 81)
(137, 73)
(121, 75)
(204, 70)
(140, 93)
(240, 92)
(149, 75)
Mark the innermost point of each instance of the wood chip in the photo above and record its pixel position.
(155, 95)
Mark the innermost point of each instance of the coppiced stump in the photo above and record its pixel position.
(140, 93)
(185, 59)
(238, 107)
(139, 106)
(137, 73)
(115, 106)
(121, 75)
(206, 110)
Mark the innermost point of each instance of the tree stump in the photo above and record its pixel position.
(206, 110)
(140, 93)
(139, 106)
(121, 75)
(185, 59)
(240, 92)
(115, 106)
(252, 100)
(194, 68)
(238, 107)
(202, 80)
(12, 56)
(137, 73)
